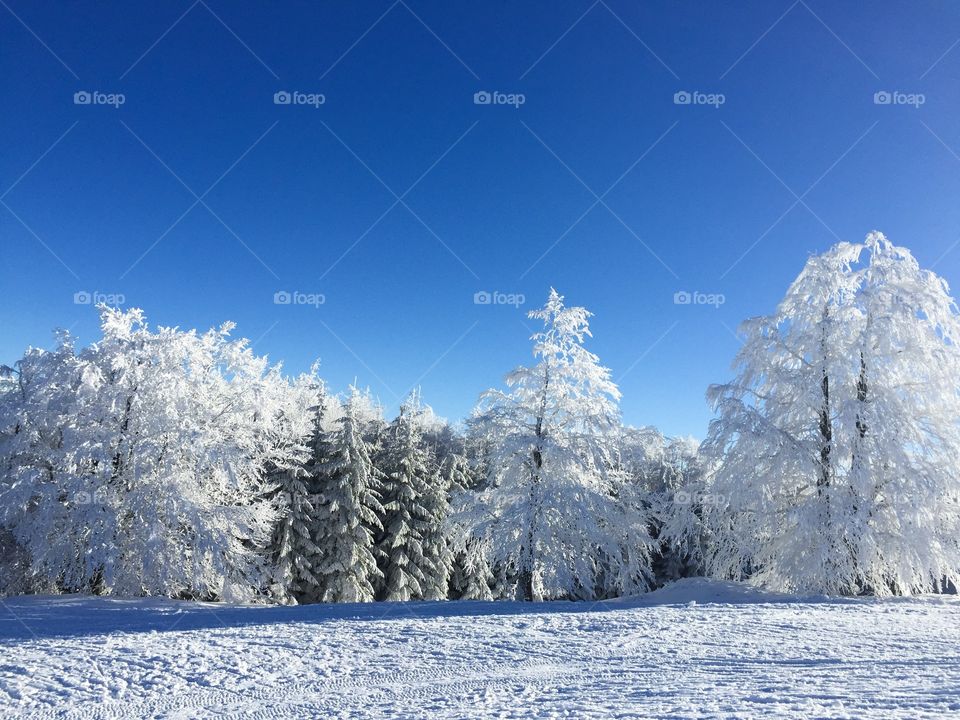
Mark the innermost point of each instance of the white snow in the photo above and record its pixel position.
(693, 649)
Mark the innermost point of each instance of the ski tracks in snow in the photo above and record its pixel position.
(826, 659)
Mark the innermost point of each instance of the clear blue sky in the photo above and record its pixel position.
(504, 198)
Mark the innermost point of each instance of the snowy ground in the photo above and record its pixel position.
(695, 649)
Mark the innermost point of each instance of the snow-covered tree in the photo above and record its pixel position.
(471, 577)
(677, 501)
(35, 412)
(436, 546)
(412, 528)
(294, 548)
(458, 473)
(835, 449)
(369, 413)
(137, 466)
(348, 512)
(556, 513)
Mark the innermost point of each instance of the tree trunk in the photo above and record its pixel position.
(825, 476)
(529, 569)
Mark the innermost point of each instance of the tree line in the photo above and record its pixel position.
(181, 464)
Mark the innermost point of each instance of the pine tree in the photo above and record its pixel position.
(457, 473)
(348, 514)
(678, 496)
(407, 543)
(471, 577)
(436, 549)
(295, 553)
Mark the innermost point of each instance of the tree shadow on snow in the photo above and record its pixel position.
(27, 618)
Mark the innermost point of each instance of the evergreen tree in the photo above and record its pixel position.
(436, 548)
(348, 513)
(678, 497)
(408, 543)
(295, 553)
(470, 576)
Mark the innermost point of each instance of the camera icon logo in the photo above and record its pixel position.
(682, 297)
(82, 97)
(82, 298)
(281, 97)
(482, 298)
(882, 97)
(282, 297)
(682, 97)
(482, 98)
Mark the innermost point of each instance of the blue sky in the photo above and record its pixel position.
(398, 198)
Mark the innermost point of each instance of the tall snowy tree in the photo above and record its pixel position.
(436, 547)
(413, 512)
(470, 576)
(349, 512)
(836, 447)
(294, 549)
(556, 513)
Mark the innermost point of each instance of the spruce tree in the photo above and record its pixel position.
(435, 546)
(408, 541)
(348, 513)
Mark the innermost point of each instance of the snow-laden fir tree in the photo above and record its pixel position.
(470, 575)
(556, 513)
(413, 500)
(348, 512)
(436, 547)
(834, 454)
(458, 473)
(295, 552)
(369, 413)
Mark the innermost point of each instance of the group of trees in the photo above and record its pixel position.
(173, 463)
(182, 464)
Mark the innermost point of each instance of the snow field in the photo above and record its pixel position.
(696, 649)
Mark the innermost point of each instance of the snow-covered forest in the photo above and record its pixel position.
(165, 462)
